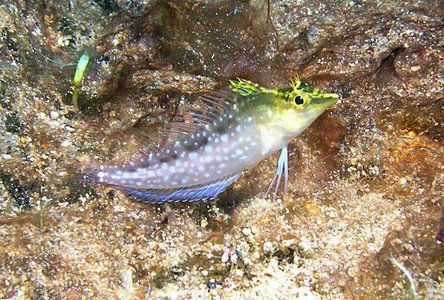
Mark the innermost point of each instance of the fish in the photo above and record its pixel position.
(201, 153)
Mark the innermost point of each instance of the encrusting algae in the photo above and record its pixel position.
(230, 132)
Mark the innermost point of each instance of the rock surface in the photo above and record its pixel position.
(367, 178)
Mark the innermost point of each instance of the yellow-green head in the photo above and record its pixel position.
(281, 114)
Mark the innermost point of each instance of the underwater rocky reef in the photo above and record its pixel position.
(364, 215)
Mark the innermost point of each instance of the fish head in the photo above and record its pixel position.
(298, 105)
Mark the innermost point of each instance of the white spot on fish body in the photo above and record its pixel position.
(208, 148)
(192, 155)
(224, 138)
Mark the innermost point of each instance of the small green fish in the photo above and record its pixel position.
(230, 132)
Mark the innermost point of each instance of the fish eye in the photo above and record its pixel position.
(299, 100)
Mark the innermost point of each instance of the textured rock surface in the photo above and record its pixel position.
(367, 178)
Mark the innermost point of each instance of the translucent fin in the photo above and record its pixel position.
(185, 194)
(138, 142)
(144, 138)
(282, 166)
(205, 110)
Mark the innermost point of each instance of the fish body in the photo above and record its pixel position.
(230, 132)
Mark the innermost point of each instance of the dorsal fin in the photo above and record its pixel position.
(204, 111)
(246, 88)
(191, 119)
(137, 139)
